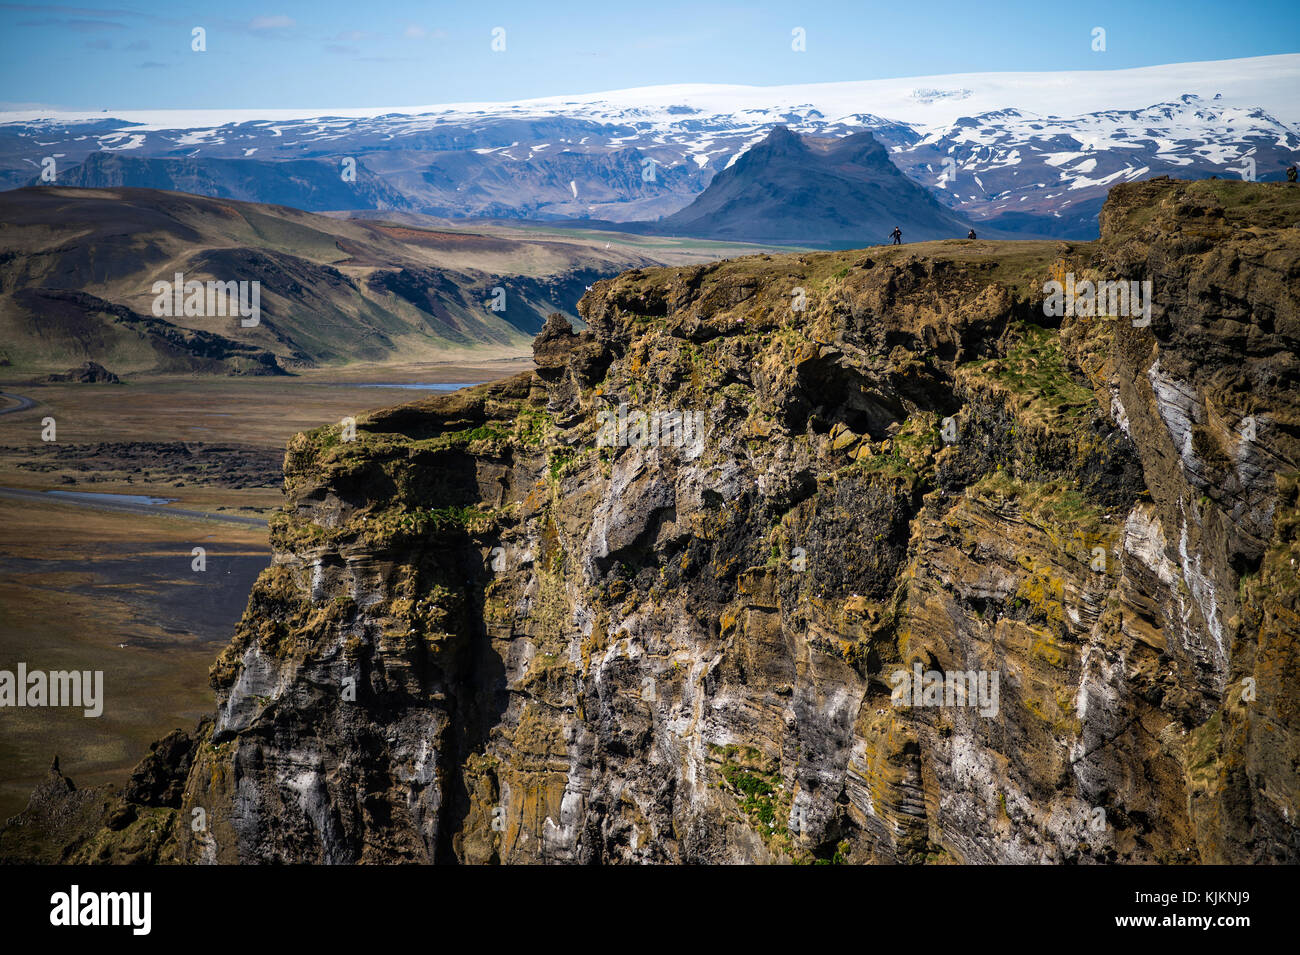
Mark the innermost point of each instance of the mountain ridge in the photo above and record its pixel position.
(1031, 153)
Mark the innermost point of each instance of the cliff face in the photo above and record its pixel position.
(488, 636)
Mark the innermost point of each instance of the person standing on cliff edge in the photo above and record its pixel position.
(1290, 173)
(970, 234)
(897, 235)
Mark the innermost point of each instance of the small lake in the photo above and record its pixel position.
(417, 386)
(116, 498)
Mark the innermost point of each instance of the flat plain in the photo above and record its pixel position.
(88, 587)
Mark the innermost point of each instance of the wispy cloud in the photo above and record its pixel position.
(276, 22)
(78, 25)
(68, 11)
(414, 31)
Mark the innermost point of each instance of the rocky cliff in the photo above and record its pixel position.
(653, 602)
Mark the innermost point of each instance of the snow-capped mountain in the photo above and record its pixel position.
(1012, 167)
(1033, 152)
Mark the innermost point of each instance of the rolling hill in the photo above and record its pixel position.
(78, 269)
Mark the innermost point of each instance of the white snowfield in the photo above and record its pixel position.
(926, 102)
(1033, 146)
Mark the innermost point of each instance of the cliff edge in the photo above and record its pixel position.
(838, 557)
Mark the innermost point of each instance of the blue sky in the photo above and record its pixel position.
(280, 54)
